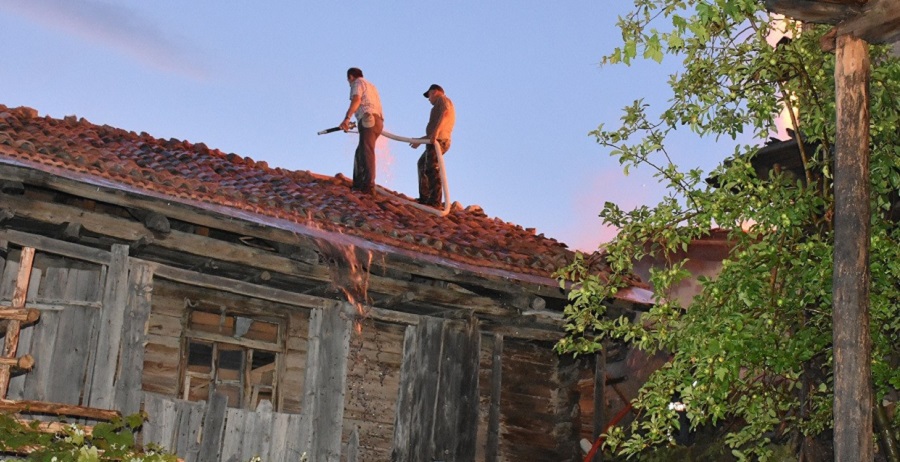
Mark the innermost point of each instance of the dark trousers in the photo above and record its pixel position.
(364, 160)
(430, 175)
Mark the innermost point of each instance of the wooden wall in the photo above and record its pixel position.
(539, 411)
(349, 389)
(373, 383)
(86, 351)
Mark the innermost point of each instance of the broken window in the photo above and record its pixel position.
(232, 353)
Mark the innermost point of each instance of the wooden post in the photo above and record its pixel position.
(493, 438)
(11, 342)
(852, 345)
(599, 397)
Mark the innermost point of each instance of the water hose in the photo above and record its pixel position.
(440, 155)
(444, 186)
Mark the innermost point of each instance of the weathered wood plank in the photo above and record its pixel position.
(234, 435)
(70, 354)
(213, 428)
(237, 287)
(162, 422)
(600, 418)
(131, 358)
(456, 405)
(152, 403)
(43, 340)
(257, 434)
(492, 453)
(285, 445)
(190, 417)
(352, 452)
(71, 350)
(161, 368)
(4, 256)
(99, 388)
(56, 247)
(325, 384)
(414, 425)
(42, 407)
(8, 276)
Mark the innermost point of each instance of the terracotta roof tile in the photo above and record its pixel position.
(198, 173)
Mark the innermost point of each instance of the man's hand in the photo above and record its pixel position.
(345, 125)
(414, 145)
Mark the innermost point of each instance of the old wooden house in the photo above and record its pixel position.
(256, 311)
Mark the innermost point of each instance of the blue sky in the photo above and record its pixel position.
(261, 78)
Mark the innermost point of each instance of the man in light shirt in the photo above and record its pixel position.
(365, 105)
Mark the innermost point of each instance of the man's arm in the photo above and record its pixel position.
(354, 105)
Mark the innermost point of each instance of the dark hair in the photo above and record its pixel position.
(354, 72)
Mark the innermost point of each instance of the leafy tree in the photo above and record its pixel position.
(753, 349)
(106, 441)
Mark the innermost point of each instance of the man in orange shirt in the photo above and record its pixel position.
(440, 125)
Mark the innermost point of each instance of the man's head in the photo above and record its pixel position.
(354, 73)
(433, 91)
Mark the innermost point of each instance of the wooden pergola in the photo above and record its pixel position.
(857, 23)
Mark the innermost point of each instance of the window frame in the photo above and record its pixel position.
(248, 391)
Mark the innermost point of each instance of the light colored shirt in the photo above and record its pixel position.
(369, 101)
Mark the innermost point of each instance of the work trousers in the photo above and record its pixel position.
(364, 160)
(430, 174)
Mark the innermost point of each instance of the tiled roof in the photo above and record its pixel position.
(195, 173)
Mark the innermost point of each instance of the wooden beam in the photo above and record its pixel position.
(878, 23)
(69, 231)
(813, 11)
(250, 343)
(237, 287)
(24, 363)
(54, 427)
(55, 246)
(193, 244)
(850, 285)
(23, 315)
(40, 407)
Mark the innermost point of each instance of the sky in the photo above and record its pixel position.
(261, 78)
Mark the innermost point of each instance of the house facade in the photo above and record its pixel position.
(256, 311)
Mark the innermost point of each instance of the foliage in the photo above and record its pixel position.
(106, 441)
(753, 349)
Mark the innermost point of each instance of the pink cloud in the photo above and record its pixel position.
(114, 26)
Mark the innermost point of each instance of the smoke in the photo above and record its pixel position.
(113, 26)
(384, 161)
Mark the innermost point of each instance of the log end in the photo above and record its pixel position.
(32, 315)
(25, 363)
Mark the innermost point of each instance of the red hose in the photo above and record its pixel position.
(602, 437)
